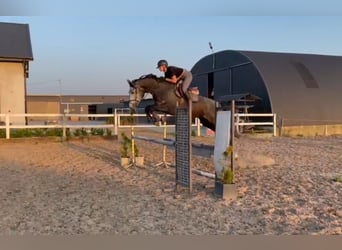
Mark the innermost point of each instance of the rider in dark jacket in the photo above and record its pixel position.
(175, 75)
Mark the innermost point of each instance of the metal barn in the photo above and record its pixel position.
(302, 89)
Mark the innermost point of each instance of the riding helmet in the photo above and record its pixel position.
(162, 62)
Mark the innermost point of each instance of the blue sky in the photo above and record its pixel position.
(96, 54)
(170, 8)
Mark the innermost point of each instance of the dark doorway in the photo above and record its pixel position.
(92, 110)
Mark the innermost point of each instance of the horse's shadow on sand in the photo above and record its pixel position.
(112, 157)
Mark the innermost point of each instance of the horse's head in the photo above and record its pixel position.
(138, 88)
(136, 94)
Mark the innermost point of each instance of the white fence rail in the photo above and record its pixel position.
(244, 121)
(63, 121)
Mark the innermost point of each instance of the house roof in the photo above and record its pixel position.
(15, 42)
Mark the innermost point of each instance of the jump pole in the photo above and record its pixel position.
(132, 163)
(164, 162)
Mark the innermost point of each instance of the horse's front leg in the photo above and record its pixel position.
(148, 113)
(154, 113)
(151, 113)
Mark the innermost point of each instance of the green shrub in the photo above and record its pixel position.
(126, 146)
(80, 132)
(54, 132)
(96, 131)
(227, 174)
(19, 133)
(127, 120)
(2, 133)
(42, 132)
(110, 120)
(108, 132)
(125, 142)
(338, 179)
(39, 132)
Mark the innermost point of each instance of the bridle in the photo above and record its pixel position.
(134, 97)
(134, 93)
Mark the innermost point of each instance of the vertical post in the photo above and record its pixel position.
(60, 96)
(230, 80)
(164, 162)
(164, 146)
(115, 120)
(237, 123)
(132, 145)
(183, 146)
(232, 127)
(198, 124)
(213, 54)
(63, 126)
(274, 124)
(7, 120)
(326, 130)
(190, 144)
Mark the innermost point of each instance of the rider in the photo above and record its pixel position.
(175, 74)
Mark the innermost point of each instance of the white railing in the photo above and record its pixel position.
(62, 121)
(242, 122)
(117, 123)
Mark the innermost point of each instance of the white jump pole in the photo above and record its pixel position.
(164, 162)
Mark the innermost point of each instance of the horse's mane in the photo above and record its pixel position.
(152, 76)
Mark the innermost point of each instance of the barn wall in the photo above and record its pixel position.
(42, 107)
(12, 90)
(303, 88)
(311, 130)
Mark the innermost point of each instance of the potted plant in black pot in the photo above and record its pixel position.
(225, 186)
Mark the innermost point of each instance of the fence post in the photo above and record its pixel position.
(232, 134)
(7, 120)
(118, 120)
(237, 122)
(115, 123)
(274, 124)
(63, 126)
(198, 124)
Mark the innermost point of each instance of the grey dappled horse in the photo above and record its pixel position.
(165, 100)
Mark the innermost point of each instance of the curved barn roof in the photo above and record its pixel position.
(302, 88)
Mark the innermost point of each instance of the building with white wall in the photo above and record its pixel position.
(15, 55)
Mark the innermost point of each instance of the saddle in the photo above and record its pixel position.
(192, 93)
